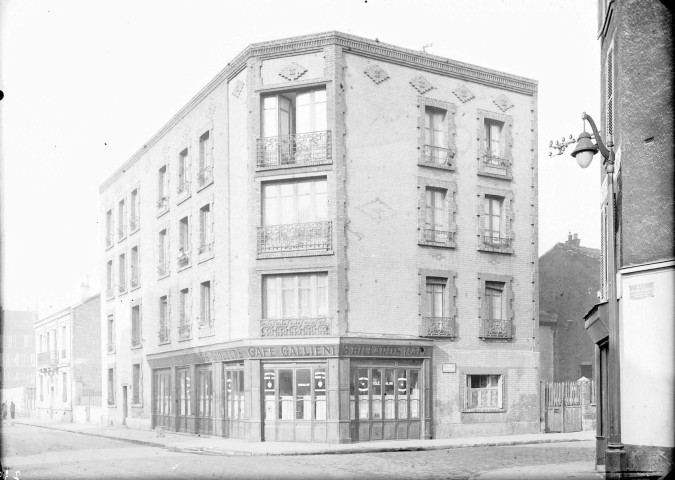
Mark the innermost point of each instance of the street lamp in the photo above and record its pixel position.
(584, 152)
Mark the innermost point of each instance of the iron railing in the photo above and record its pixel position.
(135, 281)
(122, 287)
(496, 241)
(109, 240)
(164, 334)
(121, 232)
(495, 328)
(295, 150)
(438, 156)
(163, 203)
(47, 359)
(294, 327)
(205, 248)
(185, 330)
(134, 223)
(206, 325)
(493, 161)
(295, 237)
(135, 339)
(205, 176)
(438, 236)
(184, 188)
(438, 327)
(183, 260)
(163, 269)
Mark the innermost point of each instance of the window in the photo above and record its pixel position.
(294, 129)
(296, 296)
(163, 189)
(121, 220)
(135, 267)
(234, 394)
(483, 391)
(136, 384)
(205, 305)
(122, 273)
(436, 225)
(493, 220)
(163, 254)
(109, 280)
(135, 209)
(184, 231)
(164, 326)
(493, 135)
(295, 393)
(496, 313)
(136, 326)
(494, 297)
(111, 386)
(109, 228)
(185, 318)
(42, 388)
(183, 173)
(389, 393)
(435, 139)
(64, 342)
(111, 334)
(205, 176)
(586, 370)
(435, 298)
(205, 230)
(64, 387)
(296, 202)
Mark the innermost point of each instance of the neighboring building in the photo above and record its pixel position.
(569, 280)
(334, 240)
(17, 371)
(637, 105)
(69, 363)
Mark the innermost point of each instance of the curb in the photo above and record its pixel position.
(345, 451)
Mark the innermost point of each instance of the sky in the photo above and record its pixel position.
(88, 82)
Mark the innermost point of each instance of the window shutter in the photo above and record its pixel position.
(211, 237)
(603, 251)
(189, 234)
(212, 292)
(609, 73)
(209, 160)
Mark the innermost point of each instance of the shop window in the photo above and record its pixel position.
(184, 392)
(295, 393)
(483, 391)
(385, 393)
(234, 394)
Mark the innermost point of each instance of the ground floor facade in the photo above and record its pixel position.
(332, 390)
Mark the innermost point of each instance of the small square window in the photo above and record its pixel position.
(483, 392)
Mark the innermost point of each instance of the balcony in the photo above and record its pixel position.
(442, 237)
(121, 233)
(439, 327)
(297, 150)
(135, 339)
(183, 260)
(183, 190)
(492, 328)
(110, 348)
(185, 330)
(108, 240)
(496, 241)
(47, 359)
(205, 177)
(162, 205)
(307, 238)
(493, 164)
(437, 157)
(295, 327)
(122, 287)
(134, 223)
(206, 326)
(164, 334)
(163, 269)
(135, 281)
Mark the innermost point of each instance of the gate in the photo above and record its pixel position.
(561, 406)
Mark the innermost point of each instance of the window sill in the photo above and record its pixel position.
(504, 250)
(131, 232)
(159, 277)
(136, 405)
(181, 198)
(112, 405)
(136, 347)
(162, 211)
(294, 169)
(203, 186)
(263, 256)
(109, 246)
(184, 267)
(447, 168)
(483, 410)
(136, 287)
(502, 176)
(121, 239)
(168, 342)
(425, 243)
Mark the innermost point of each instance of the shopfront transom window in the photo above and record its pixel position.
(385, 393)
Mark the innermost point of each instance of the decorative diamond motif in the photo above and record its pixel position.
(377, 210)
(503, 102)
(292, 71)
(238, 87)
(463, 93)
(376, 74)
(421, 84)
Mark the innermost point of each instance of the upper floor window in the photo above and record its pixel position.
(294, 129)
(183, 173)
(296, 296)
(494, 297)
(164, 325)
(111, 334)
(205, 230)
(163, 189)
(121, 220)
(109, 279)
(609, 86)
(495, 142)
(135, 267)
(493, 138)
(184, 317)
(435, 138)
(122, 273)
(206, 306)
(435, 299)
(163, 253)
(109, 228)
(205, 176)
(64, 342)
(135, 326)
(134, 211)
(295, 202)
(184, 231)
(436, 225)
(493, 220)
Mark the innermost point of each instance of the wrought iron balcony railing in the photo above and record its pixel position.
(206, 325)
(438, 236)
(121, 232)
(47, 359)
(294, 327)
(295, 150)
(295, 237)
(185, 330)
(109, 292)
(184, 188)
(110, 348)
(205, 176)
(205, 249)
(493, 162)
(438, 327)
(164, 334)
(135, 339)
(438, 156)
(109, 240)
(134, 223)
(184, 260)
(163, 203)
(122, 287)
(496, 241)
(135, 281)
(493, 328)
(163, 269)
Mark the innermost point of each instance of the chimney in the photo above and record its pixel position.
(573, 240)
(569, 238)
(84, 290)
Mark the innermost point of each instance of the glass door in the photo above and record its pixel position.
(162, 399)
(183, 394)
(204, 420)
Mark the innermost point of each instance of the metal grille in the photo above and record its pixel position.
(296, 237)
(295, 150)
(438, 327)
(609, 74)
(494, 328)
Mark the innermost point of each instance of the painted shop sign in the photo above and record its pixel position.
(292, 351)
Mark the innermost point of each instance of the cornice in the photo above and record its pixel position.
(352, 44)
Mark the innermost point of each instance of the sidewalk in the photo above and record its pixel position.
(225, 446)
(558, 471)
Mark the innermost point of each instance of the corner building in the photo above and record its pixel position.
(334, 241)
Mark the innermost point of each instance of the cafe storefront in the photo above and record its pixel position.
(336, 390)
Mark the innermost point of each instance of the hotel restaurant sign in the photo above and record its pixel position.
(292, 352)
